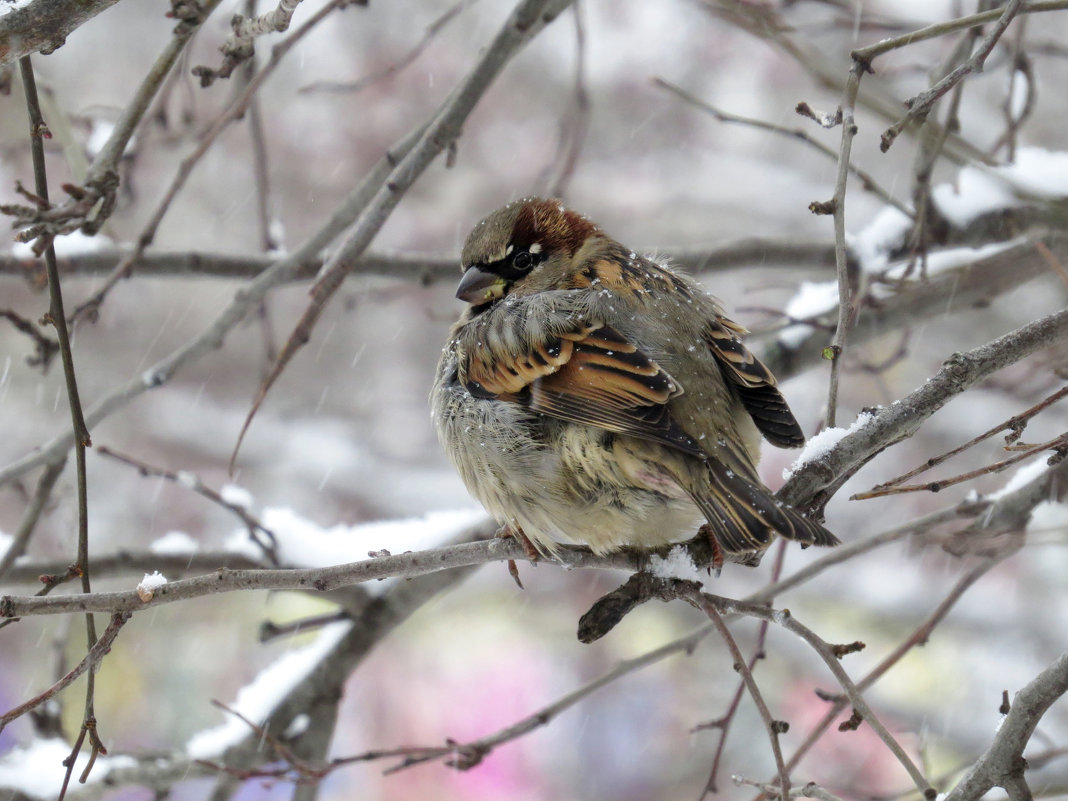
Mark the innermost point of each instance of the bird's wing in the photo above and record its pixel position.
(589, 374)
(754, 384)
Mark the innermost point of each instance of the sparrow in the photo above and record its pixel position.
(588, 395)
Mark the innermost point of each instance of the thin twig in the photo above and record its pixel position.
(724, 723)
(467, 755)
(1052, 261)
(45, 347)
(31, 515)
(773, 727)
(689, 591)
(847, 292)
(1056, 444)
(932, 143)
(873, 51)
(192, 482)
(792, 624)
(89, 662)
(919, 636)
(766, 22)
(1014, 120)
(258, 140)
(261, 177)
(79, 428)
(867, 181)
(920, 105)
(847, 551)
(405, 61)
(270, 631)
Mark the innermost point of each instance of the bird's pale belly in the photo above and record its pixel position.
(563, 482)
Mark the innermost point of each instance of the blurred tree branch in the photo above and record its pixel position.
(43, 26)
(1003, 764)
(752, 251)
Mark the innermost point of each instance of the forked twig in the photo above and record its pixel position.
(1015, 425)
(920, 105)
(1057, 444)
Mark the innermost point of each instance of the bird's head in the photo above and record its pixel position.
(527, 246)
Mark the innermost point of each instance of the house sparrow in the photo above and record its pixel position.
(588, 395)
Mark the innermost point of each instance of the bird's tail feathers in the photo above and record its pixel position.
(744, 517)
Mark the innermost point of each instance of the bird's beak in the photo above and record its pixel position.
(478, 286)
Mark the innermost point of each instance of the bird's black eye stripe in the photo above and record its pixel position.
(517, 264)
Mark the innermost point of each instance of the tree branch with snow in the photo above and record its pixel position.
(360, 652)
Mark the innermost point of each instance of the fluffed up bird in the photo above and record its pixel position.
(588, 395)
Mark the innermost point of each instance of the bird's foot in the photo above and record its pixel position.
(516, 533)
(717, 549)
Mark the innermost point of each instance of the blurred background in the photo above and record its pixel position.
(344, 437)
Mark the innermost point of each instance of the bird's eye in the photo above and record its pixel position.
(523, 261)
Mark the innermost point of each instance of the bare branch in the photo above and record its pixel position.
(765, 22)
(1014, 425)
(668, 589)
(240, 44)
(43, 26)
(31, 515)
(467, 755)
(952, 26)
(892, 424)
(91, 204)
(848, 289)
(949, 291)
(232, 112)
(1003, 764)
(920, 106)
(773, 727)
(45, 348)
(1057, 444)
(423, 269)
(90, 662)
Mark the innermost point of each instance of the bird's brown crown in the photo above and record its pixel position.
(534, 225)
